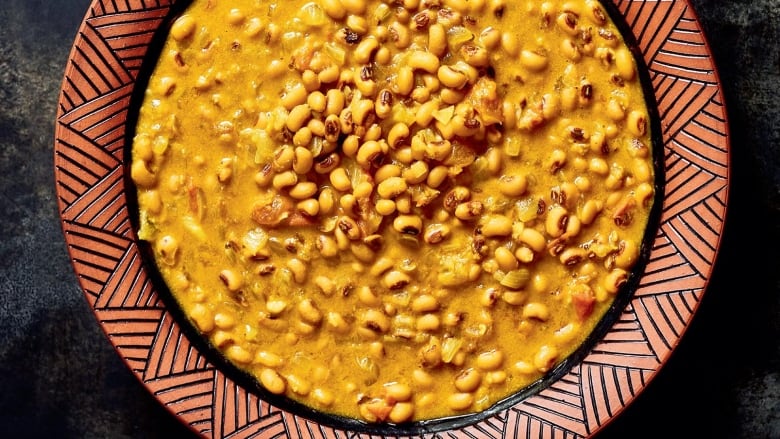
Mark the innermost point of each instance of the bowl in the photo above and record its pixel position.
(103, 76)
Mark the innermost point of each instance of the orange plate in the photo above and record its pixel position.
(95, 107)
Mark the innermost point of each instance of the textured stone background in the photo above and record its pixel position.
(59, 376)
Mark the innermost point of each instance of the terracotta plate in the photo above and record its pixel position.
(90, 146)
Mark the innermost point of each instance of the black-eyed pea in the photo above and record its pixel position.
(356, 7)
(437, 176)
(253, 27)
(536, 311)
(545, 358)
(496, 377)
(644, 193)
(232, 279)
(535, 61)
(489, 297)
(334, 103)
(404, 80)
(392, 187)
(304, 190)
(505, 259)
(566, 333)
(556, 221)
(403, 204)
(365, 49)
(614, 280)
(298, 385)
(309, 312)
(401, 412)
(408, 224)
(495, 226)
(367, 296)
(573, 227)
(340, 180)
(284, 180)
(294, 96)
(436, 233)
(397, 134)
(422, 379)
(276, 306)
(624, 63)
(557, 160)
(540, 282)
(168, 248)
(398, 391)
(386, 171)
(224, 321)
(323, 397)
(425, 303)
(524, 367)
(598, 166)
(513, 185)
(643, 174)
(570, 98)
(336, 322)
(370, 153)
(380, 266)
(203, 317)
(469, 210)
(490, 37)
(514, 298)
(276, 68)
(495, 160)
(385, 207)
(183, 28)
(568, 22)
(309, 207)
(524, 255)
(475, 55)
(628, 253)
(238, 354)
(615, 110)
(422, 60)
(551, 105)
(394, 280)
(572, 256)
(220, 338)
(451, 78)
(428, 323)
(460, 401)
(141, 174)
(298, 268)
(268, 359)
(325, 284)
(326, 200)
(590, 211)
(570, 50)
(437, 39)
(334, 9)
(421, 94)
(375, 321)
(468, 380)
(490, 360)
(272, 381)
(533, 239)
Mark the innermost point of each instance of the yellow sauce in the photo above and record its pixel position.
(394, 211)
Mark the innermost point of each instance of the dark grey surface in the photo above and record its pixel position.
(59, 376)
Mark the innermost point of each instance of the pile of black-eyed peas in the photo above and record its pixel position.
(395, 210)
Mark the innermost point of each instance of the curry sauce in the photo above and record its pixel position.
(394, 211)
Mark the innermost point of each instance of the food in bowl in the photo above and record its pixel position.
(394, 211)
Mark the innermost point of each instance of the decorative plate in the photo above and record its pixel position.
(90, 146)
